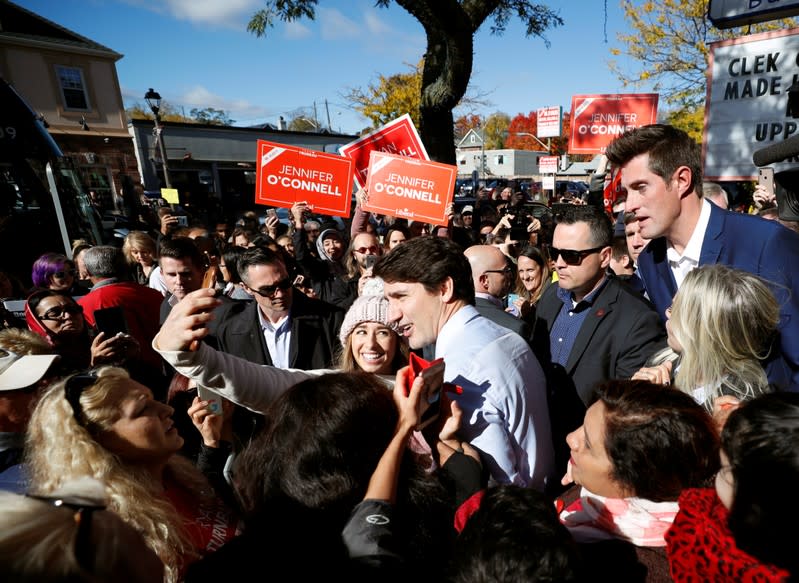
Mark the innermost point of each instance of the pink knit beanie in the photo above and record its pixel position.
(366, 308)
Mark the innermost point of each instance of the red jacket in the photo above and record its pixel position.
(142, 307)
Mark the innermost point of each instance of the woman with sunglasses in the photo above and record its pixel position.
(105, 425)
(58, 318)
(54, 271)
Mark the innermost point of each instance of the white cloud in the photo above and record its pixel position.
(375, 25)
(380, 36)
(224, 13)
(334, 25)
(238, 109)
(295, 30)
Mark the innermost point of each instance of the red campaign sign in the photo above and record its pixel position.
(288, 174)
(397, 137)
(612, 190)
(596, 120)
(399, 186)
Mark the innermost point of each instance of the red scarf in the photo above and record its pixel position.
(701, 547)
(35, 325)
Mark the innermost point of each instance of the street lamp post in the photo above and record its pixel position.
(548, 146)
(310, 122)
(153, 99)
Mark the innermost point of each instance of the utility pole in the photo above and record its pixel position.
(327, 109)
(315, 116)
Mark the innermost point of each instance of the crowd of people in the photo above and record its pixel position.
(573, 396)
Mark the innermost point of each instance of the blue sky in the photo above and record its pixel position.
(197, 53)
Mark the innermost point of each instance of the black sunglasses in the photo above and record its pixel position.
(58, 313)
(268, 291)
(73, 389)
(506, 271)
(84, 508)
(571, 256)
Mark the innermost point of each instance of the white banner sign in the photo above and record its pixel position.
(746, 106)
(547, 165)
(550, 121)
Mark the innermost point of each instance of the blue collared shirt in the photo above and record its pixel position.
(504, 398)
(569, 321)
(278, 339)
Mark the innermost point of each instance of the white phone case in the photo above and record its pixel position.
(215, 407)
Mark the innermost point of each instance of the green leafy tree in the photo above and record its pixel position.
(496, 128)
(689, 119)
(450, 26)
(302, 124)
(670, 41)
(166, 112)
(212, 116)
(390, 97)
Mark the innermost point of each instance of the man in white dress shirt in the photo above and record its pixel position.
(428, 283)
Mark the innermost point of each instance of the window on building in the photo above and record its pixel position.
(500, 159)
(73, 89)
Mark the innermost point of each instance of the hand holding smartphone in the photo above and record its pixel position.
(214, 400)
(427, 370)
(111, 321)
(370, 260)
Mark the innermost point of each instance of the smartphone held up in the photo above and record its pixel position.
(428, 370)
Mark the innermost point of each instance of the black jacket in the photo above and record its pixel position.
(314, 333)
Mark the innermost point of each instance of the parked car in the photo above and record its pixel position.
(573, 187)
(464, 187)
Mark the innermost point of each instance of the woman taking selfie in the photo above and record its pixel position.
(369, 344)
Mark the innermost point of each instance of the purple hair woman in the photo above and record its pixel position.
(53, 271)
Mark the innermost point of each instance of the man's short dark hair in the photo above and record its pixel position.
(618, 249)
(182, 248)
(598, 222)
(668, 149)
(428, 260)
(515, 535)
(257, 256)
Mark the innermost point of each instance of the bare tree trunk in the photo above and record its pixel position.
(447, 68)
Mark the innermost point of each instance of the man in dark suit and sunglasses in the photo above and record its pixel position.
(589, 328)
(282, 327)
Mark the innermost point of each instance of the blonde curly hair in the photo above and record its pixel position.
(59, 448)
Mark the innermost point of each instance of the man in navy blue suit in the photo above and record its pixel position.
(662, 173)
